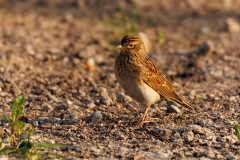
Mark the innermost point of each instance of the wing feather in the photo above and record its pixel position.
(154, 77)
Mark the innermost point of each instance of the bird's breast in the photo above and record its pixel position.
(138, 90)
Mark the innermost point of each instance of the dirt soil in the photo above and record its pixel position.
(60, 55)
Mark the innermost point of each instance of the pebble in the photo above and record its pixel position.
(156, 155)
(205, 48)
(190, 136)
(200, 130)
(232, 25)
(90, 63)
(205, 122)
(123, 97)
(232, 138)
(123, 150)
(35, 124)
(95, 150)
(107, 101)
(91, 105)
(88, 52)
(173, 109)
(103, 92)
(205, 30)
(219, 156)
(210, 154)
(232, 98)
(231, 156)
(95, 117)
(47, 108)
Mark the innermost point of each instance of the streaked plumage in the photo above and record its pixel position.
(140, 77)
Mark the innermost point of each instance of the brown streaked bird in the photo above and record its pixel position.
(140, 77)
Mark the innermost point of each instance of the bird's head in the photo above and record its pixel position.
(132, 44)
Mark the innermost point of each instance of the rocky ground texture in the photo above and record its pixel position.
(60, 55)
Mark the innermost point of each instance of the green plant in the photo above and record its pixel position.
(17, 110)
(23, 147)
(235, 126)
(182, 116)
(161, 38)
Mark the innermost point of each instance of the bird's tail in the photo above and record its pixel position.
(183, 102)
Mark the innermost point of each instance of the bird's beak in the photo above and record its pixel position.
(119, 47)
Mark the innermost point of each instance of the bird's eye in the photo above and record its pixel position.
(130, 45)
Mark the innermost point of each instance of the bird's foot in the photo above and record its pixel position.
(147, 119)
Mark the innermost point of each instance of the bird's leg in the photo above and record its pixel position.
(146, 118)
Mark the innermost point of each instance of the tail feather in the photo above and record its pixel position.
(183, 102)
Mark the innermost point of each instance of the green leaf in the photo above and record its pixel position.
(20, 125)
(235, 126)
(50, 145)
(25, 144)
(161, 38)
(30, 130)
(17, 108)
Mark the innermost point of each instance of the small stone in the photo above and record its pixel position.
(200, 130)
(156, 155)
(232, 25)
(95, 150)
(103, 92)
(123, 150)
(219, 156)
(91, 105)
(95, 117)
(35, 124)
(173, 109)
(232, 138)
(51, 141)
(47, 108)
(205, 48)
(69, 102)
(88, 52)
(123, 97)
(232, 98)
(55, 50)
(8, 131)
(65, 60)
(138, 156)
(205, 122)
(231, 156)
(192, 93)
(205, 30)
(107, 101)
(210, 154)
(70, 147)
(39, 56)
(78, 148)
(190, 136)
(90, 63)
(99, 59)
(30, 49)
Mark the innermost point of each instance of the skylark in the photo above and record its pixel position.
(140, 77)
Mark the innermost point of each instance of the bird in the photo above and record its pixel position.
(141, 79)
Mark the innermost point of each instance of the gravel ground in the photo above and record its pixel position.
(60, 55)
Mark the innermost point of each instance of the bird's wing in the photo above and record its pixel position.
(154, 77)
